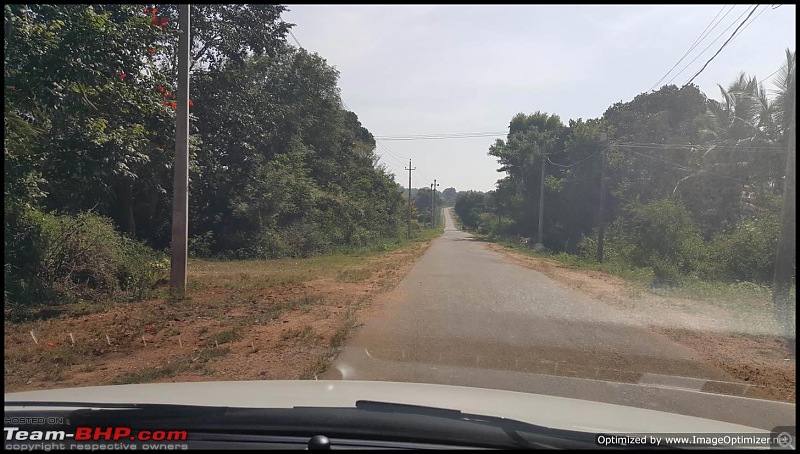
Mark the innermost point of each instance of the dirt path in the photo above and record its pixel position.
(242, 321)
(741, 344)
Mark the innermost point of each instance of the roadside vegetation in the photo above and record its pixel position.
(238, 320)
(692, 191)
(294, 226)
(278, 167)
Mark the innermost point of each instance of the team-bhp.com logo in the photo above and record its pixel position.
(119, 433)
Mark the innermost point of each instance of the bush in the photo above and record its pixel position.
(61, 259)
(23, 249)
(487, 222)
(665, 272)
(660, 235)
(747, 253)
(202, 245)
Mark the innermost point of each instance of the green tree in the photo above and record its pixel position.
(449, 196)
(469, 207)
(85, 77)
(520, 156)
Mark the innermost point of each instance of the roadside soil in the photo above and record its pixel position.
(240, 321)
(743, 344)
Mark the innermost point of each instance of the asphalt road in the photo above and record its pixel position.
(465, 315)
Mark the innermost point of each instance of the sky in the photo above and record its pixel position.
(437, 69)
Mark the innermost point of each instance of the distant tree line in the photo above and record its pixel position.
(693, 186)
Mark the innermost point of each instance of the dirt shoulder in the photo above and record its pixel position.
(740, 341)
(243, 320)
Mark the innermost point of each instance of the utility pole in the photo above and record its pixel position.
(785, 305)
(180, 199)
(601, 230)
(409, 196)
(433, 203)
(539, 239)
(431, 207)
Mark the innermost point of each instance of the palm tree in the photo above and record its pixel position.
(747, 133)
(782, 105)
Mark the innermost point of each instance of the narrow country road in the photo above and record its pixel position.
(465, 315)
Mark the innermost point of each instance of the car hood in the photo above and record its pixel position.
(550, 411)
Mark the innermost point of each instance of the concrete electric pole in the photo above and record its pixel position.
(540, 237)
(409, 196)
(433, 203)
(180, 198)
(601, 229)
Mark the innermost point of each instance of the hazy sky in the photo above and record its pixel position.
(411, 70)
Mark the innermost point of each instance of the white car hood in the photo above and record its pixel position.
(550, 411)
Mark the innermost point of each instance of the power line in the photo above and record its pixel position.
(425, 176)
(724, 44)
(295, 40)
(443, 136)
(705, 49)
(660, 146)
(681, 167)
(674, 164)
(388, 163)
(440, 134)
(382, 157)
(391, 153)
(702, 36)
(574, 163)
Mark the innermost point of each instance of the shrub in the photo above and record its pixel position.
(665, 272)
(61, 259)
(23, 249)
(660, 235)
(747, 253)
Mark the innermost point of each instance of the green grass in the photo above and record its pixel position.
(638, 276)
(193, 361)
(354, 275)
(262, 274)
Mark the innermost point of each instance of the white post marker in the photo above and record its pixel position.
(34, 338)
(72, 338)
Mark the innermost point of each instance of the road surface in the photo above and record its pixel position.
(465, 315)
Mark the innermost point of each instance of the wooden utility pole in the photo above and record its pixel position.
(785, 305)
(409, 196)
(180, 199)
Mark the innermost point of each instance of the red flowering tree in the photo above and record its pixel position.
(86, 76)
